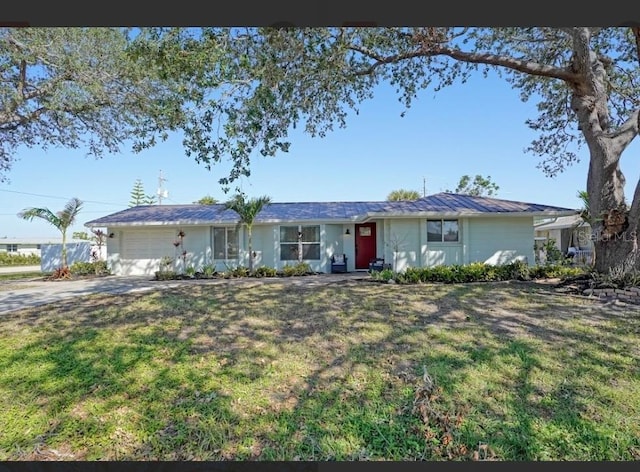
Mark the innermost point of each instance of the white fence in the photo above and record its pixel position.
(51, 255)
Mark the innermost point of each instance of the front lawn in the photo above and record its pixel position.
(331, 371)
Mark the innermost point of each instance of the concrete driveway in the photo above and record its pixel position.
(27, 293)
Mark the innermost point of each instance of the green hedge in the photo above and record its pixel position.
(476, 272)
(13, 259)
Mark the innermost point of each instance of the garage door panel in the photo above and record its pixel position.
(147, 244)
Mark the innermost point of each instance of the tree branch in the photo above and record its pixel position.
(432, 50)
(626, 132)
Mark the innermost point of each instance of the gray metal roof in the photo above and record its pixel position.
(445, 204)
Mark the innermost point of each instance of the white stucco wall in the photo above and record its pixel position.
(402, 241)
(500, 240)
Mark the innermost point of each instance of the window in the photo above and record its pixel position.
(12, 248)
(442, 231)
(299, 240)
(225, 243)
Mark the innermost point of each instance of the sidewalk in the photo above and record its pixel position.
(19, 269)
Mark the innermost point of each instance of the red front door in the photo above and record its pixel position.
(365, 244)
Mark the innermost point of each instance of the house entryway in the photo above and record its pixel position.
(365, 240)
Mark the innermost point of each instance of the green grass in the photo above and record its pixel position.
(274, 371)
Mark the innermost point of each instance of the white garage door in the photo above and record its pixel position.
(141, 251)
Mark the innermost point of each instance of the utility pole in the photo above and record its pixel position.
(424, 186)
(162, 193)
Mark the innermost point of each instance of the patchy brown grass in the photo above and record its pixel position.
(352, 370)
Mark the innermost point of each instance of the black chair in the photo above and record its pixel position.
(339, 263)
(376, 264)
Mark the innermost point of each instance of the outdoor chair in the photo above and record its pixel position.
(338, 263)
(376, 264)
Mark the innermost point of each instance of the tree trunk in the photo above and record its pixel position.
(614, 224)
(614, 227)
(250, 250)
(64, 249)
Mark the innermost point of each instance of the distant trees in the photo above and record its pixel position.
(62, 220)
(206, 200)
(478, 187)
(402, 194)
(138, 197)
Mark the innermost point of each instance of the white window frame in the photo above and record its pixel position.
(226, 243)
(299, 242)
(442, 221)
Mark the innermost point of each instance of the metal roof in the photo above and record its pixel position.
(445, 204)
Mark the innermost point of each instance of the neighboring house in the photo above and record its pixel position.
(571, 235)
(444, 228)
(26, 245)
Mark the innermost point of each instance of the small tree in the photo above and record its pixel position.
(478, 187)
(402, 194)
(61, 220)
(139, 197)
(247, 210)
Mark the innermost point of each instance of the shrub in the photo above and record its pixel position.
(166, 275)
(89, 268)
(13, 259)
(383, 275)
(208, 271)
(545, 271)
(190, 271)
(81, 268)
(239, 271)
(301, 268)
(264, 271)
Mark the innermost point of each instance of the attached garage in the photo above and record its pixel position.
(139, 251)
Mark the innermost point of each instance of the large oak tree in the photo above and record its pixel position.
(585, 82)
(237, 92)
(79, 88)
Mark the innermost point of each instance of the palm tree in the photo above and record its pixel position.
(403, 194)
(61, 220)
(247, 210)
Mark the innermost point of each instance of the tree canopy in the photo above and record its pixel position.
(479, 186)
(235, 92)
(78, 88)
(206, 200)
(403, 194)
(583, 80)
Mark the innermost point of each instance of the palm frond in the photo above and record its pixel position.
(70, 212)
(42, 213)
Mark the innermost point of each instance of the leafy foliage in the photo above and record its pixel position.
(89, 268)
(479, 186)
(206, 200)
(11, 259)
(247, 209)
(78, 87)
(139, 197)
(403, 194)
(62, 220)
(476, 272)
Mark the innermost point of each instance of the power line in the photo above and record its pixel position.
(60, 198)
(83, 212)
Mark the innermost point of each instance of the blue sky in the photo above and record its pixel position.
(473, 128)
